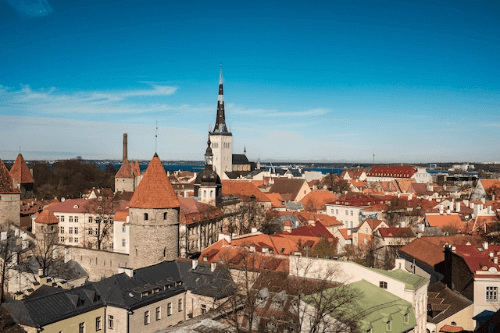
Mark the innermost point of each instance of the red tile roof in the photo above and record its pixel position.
(244, 190)
(373, 223)
(445, 220)
(278, 244)
(430, 250)
(394, 171)
(193, 211)
(316, 230)
(154, 190)
(344, 233)
(479, 261)
(353, 174)
(6, 183)
(87, 206)
(121, 216)
(276, 200)
(326, 220)
(396, 232)
(126, 170)
(489, 183)
(46, 217)
(20, 171)
(318, 199)
(451, 329)
(136, 168)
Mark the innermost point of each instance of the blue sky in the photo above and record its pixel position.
(325, 81)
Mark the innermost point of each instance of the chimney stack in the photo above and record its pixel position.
(125, 157)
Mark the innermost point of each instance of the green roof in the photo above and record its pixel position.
(377, 307)
(411, 281)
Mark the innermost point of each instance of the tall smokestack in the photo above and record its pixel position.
(125, 157)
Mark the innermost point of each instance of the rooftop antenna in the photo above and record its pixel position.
(19, 149)
(156, 138)
(373, 158)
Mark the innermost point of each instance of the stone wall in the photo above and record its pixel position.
(98, 263)
(124, 184)
(154, 239)
(10, 208)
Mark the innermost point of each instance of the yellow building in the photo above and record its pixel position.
(58, 310)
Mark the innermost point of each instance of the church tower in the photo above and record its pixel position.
(221, 138)
(154, 218)
(210, 191)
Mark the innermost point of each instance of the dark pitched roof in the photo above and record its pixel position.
(286, 185)
(53, 307)
(240, 159)
(202, 281)
(123, 291)
(443, 302)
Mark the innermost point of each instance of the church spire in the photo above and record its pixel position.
(220, 121)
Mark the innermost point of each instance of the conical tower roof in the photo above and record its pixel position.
(6, 183)
(20, 171)
(125, 170)
(47, 217)
(154, 190)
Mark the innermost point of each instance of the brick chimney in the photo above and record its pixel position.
(125, 157)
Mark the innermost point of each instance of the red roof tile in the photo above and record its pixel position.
(478, 259)
(6, 183)
(396, 232)
(46, 217)
(244, 190)
(394, 171)
(121, 216)
(20, 171)
(317, 200)
(430, 250)
(316, 230)
(489, 183)
(276, 200)
(193, 211)
(126, 170)
(451, 329)
(155, 190)
(326, 220)
(445, 220)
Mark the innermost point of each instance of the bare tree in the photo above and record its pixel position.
(335, 184)
(101, 212)
(271, 300)
(251, 214)
(9, 256)
(48, 254)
